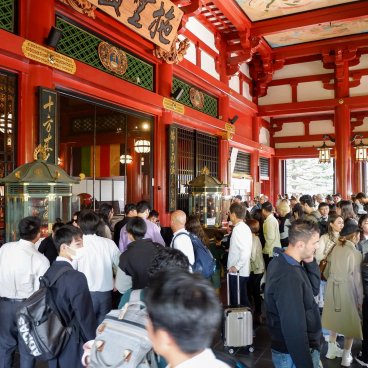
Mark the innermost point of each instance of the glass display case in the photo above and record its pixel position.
(205, 199)
(37, 189)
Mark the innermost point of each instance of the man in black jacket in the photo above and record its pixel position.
(293, 279)
(136, 260)
(72, 297)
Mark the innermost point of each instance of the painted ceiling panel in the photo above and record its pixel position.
(266, 9)
(317, 32)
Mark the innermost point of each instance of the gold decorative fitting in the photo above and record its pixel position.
(17, 174)
(341, 101)
(113, 58)
(205, 171)
(176, 54)
(48, 57)
(57, 174)
(196, 98)
(81, 6)
(40, 153)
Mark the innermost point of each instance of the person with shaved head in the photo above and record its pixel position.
(181, 239)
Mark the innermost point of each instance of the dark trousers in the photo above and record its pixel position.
(102, 303)
(233, 284)
(9, 338)
(365, 330)
(267, 260)
(254, 291)
(71, 354)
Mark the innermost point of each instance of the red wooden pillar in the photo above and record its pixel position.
(224, 161)
(160, 194)
(275, 171)
(343, 150)
(254, 167)
(35, 23)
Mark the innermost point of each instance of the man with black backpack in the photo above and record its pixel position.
(180, 241)
(71, 296)
(21, 265)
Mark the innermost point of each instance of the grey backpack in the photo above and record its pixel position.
(122, 340)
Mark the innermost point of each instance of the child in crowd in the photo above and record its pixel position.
(257, 268)
(218, 251)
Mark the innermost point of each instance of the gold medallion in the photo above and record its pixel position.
(113, 58)
(196, 98)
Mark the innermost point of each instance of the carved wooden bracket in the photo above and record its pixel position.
(275, 127)
(81, 6)
(261, 70)
(358, 120)
(176, 54)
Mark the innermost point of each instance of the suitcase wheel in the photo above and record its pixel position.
(251, 349)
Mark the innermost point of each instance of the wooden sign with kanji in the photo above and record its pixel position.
(156, 20)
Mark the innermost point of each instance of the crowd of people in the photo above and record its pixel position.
(310, 252)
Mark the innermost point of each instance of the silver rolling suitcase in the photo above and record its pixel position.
(238, 324)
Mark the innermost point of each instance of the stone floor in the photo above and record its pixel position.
(261, 357)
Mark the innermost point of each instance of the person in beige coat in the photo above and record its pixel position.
(326, 243)
(344, 293)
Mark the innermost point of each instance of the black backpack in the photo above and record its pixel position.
(39, 323)
(204, 262)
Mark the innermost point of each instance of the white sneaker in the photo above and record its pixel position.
(346, 360)
(334, 351)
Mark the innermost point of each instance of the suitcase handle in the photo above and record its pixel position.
(237, 287)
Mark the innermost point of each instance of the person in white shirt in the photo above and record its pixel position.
(99, 263)
(271, 232)
(21, 266)
(184, 315)
(181, 239)
(239, 255)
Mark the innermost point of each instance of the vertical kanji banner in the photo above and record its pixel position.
(48, 124)
(156, 20)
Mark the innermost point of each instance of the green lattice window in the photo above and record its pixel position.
(83, 46)
(210, 103)
(7, 15)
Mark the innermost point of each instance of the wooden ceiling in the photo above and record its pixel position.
(287, 29)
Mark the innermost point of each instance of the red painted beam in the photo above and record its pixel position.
(304, 152)
(278, 121)
(337, 13)
(299, 138)
(318, 47)
(357, 103)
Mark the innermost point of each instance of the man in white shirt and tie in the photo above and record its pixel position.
(21, 265)
(239, 255)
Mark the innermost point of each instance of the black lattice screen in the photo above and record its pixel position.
(242, 163)
(185, 166)
(206, 153)
(264, 165)
(194, 151)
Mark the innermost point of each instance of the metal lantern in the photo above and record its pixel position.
(205, 193)
(324, 154)
(361, 151)
(37, 189)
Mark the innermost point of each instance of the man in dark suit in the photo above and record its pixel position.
(72, 297)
